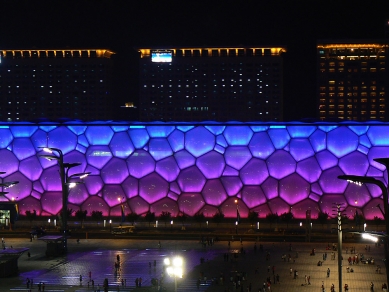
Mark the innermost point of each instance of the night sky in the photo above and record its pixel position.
(123, 25)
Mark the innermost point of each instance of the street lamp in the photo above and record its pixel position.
(237, 215)
(66, 184)
(174, 268)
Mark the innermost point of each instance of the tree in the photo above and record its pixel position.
(31, 216)
(69, 212)
(253, 217)
(359, 220)
(150, 217)
(97, 215)
(81, 215)
(132, 217)
(199, 217)
(181, 217)
(218, 217)
(377, 221)
(322, 217)
(165, 217)
(271, 217)
(287, 217)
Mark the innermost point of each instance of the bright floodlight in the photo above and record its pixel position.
(166, 262)
(174, 267)
(369, 237)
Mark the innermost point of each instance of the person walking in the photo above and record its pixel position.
(328, 272)
(371, 286)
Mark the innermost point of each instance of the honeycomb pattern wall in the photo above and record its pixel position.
(200, 167)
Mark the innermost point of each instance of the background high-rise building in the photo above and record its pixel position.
(352, 80)
(219, 84)
(55, 84)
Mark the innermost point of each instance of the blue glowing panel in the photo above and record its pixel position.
(216, 130)
(190, 203)
(153, 188)
(294, 189)
(62, 138)
(99, 135)
(184, 128)
(232, 184)
(199, 141)
(237, 156)
(139, 137)
(270, 188)
(254, 172)
(78, 130)
(238, 135)
(301, 131)
(326, 159)
(112, 194)
(191, 180)
(82, 140)
(253, 196)
(23, 131)
(220, 140)
(279, 206)
(78, 194)
(378, 152)
(159, 148)
(364, 140)
(211, 164)
(309, 169)
(176, 140)
(31, 168)
(23, 148)
(261, 146)
(168, 169)
(378, 135)
(357, 196)
(95, 203)
(363, 149)
(301, 149)
(214, 192)
(327, 128)
(281, 164)
(121, 145)
(359, 130)
(8, 162)
(342, 141)
(115, 171)
(159, 131)
(98, 156)
(6, 137)
(354, 163)
(279, 137)
(140, 163)
(81, 149)
(165, 205)
(259, 128)
(51, 202)
(118, 129)
(228, 208)
(94, 184)
(39, 139)
(184, 159)
(138, 205)
(330, 183)
(318, 140)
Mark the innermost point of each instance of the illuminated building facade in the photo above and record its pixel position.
(353, 80)
(197, 167)
(218, 84)
(55, 84)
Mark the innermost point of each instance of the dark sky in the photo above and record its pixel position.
(123, 25)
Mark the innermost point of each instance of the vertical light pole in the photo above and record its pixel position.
(237, 215)
(174, 269)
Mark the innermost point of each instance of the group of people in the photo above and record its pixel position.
(30, 283)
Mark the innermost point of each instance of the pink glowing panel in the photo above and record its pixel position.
(121, 145)
(294, 189)
(378, 135)
(301, 149)
(173, 196)
(370, 210)
(29, 204)
(211, 164)
(281, 164)
(232, 184)
(51, 202)
(318, 140)
(254, 172)
(6, 137)
(214, 192)
(159, 148)
(342, 141)
(314, 197)
(117, 210)
(23, 148)
(62, 138)
(326, 203)
(76, 157)
(22, 189)
(165, 205)
(199, 141)
(8, 162)
(112, 194)
(50, 179)
(153, 187)
(262, 211)
(99, 135)
(330, 183)
(184, 159)
(190, 203)
(270, 188)
(229, 171)
(138, 205)
(315, 187)
(176, 140)
(326, 159)
(98, 156)
(168, 169)
(94, 184)
(78, 194)
(208, 212)
(191, 180)
(237, 156)
(140, 164)
(378, 152)
(279, 137)
(130, 187)
(95, 203)
(253, 196)
(279, 206)
(309, 169)
(299, 210)
(354, 163)
(175, 188)
(31, 168)
(36, 195)
(301, 131)
(38, 186)
(357, 195)
(229, 208)
(374, 190)
(261, 146)
(115, 171)
(238, 135)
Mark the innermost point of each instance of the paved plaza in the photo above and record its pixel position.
(137, 261)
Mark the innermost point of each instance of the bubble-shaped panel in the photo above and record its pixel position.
(51, 202)
(190, 203)
(301, 149)
(115, 171)
(330, 183)
(254, 172)
(94, 184)
(208, 212)
(8, 162)
(199, 141)
(221, 141)
(378, 135)
(364, 140)
(138, 205)
(191, 180)
(216, 130)
(278, 206)
(270, 188)
(378, 152)
(214, 192)
(370, 210)
(318, 140)
(237, 156)
(176, 140)
(253, 196)
(342, 141)
(153, 187)
(232, 184)
(229, 171)
(121, 145)
(228, 208)
(62, 138)
(78, 130)
(211, 164)
(309, 169)
(50, 179)
(327, 201)
(261, 146)
(140, 163)
(159, 148)
(112, 194)
(139, 137)
(279, 137)
(294, 189)
(29, 204)
(23, 148)
(238, 135)
(357, 196)
(354, 163)
(262, 210)
(184, 159)
(78, 194)
(184, 128)
(326, 159)
(98, 156)
(22, 189)
(6, 137)
(95, 203)
(130, 187)
(23, 131)
(301, 131)
(359, 130)
(117, 210)
(299, 210)
(281, 164)
(99, 135)
(168, 169)
(160, 131)
(31, 168)
(165, 205)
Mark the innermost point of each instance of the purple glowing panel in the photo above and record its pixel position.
(299, 210)
(115, 171)
(294, 189)
(279, 137)
(50, 179)
(165, 205)
(184, 159)
(229, 208)
(6, 137)
(370, 210)
(327, 203)
(214, 192)
(76, 157)
(261, 146)
(342, 141)
(220, 140)
(130, 187)
(372, 171)
(301, 131)
(262, 210)
(38, 139)
(378, 152)
(374, 190)
(78, 130)
(95, 203)
(281, 164)
(22, 189)
(159, 131)
(301, 149)
(315, 187)
(117, 210)
(270, 188)
(238, 135)
(191, 180)
(330, 183)
(78, 194)
(199, 141)
(175, 188)
(176, 140)
(98, 156)
(99, 135)
(279, 206)
(31, 168)
(168, 169)
(23, 148)
(62, 138)
(232, 184)
(357, 195)
(190, 203)
(112, 194)
(211, 164)
(29, 204)
(354, 163)
(318, 140)
(253, 196)
(216, 130)
(229, 171)
(138, 205)
(51, 202)
(364, 140)
(254, 172)
(378, 135)
(237, 156)
(8, 162)
(359, 130)
(121, 145)
(363, 149)
(38, 186)
(94, 184)
(309, 169)
(314, 197)
(36, 195)
(139, 137)
(159, 148)
(153, 188)
(23, 131)
(219, 149)
(326, 159)
(208, 211)
(140, 164)
(173, 196)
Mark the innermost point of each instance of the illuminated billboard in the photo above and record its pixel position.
(161, 56)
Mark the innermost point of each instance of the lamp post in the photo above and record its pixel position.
(237, 215)
(174, 269)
